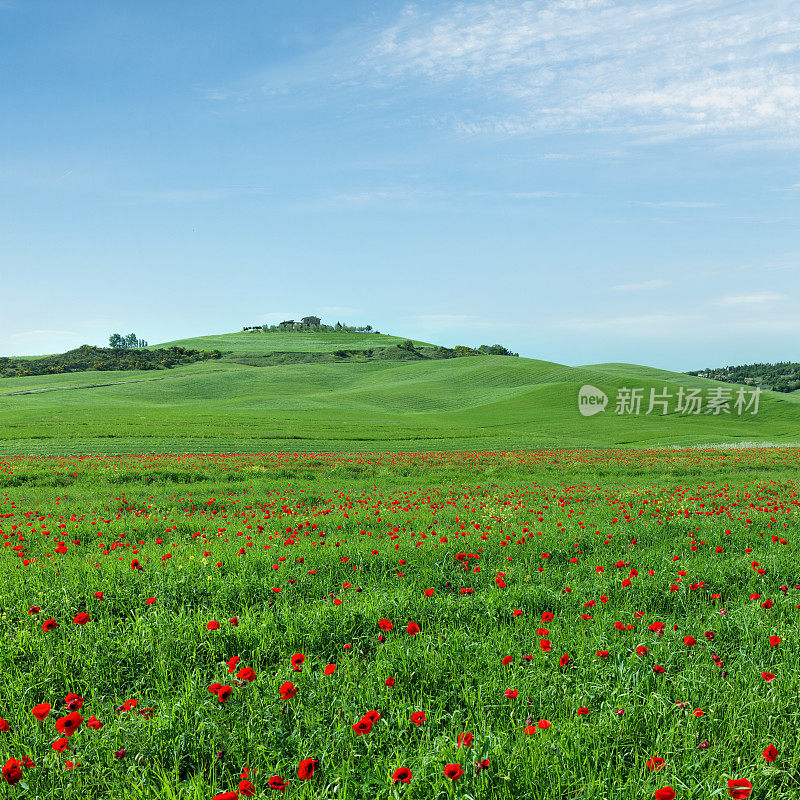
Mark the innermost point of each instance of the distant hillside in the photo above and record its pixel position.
(369, 404)
(781, 377)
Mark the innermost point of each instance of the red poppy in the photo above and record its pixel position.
(545, 645)
(689, 641)
(227, 796)
(771, 753)
(402, 775)
(739, 788)
(564, 660)
(235, 621)
(276, 782)
(73, 702)
(297, 661)
(412, 628)
(774, 641)
(95, 723)
(4, 726)
(12, 771)
(246, 788)
(213, 625)
(60, 745)
(49, 625)
(306, 768)
(655, 763)
(246, 674)
(418, 717)
(373, 715)
(224, 693)
(232, 662)
(582, 710)
(507, 660)
(511, 694)
(529, 730)
(288, 690)
(389, 682)
(453, 771)
(768, 676)
(464, 740)
(41, 711)
(665, 793)
(69, 724)
(544, 724)
(385, 624)
(363, 726)
(602, 653)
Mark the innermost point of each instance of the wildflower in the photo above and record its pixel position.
(402, 775)
(453, 771)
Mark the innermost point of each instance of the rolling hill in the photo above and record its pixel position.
(472, 403)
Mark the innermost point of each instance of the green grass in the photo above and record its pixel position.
(393, 528)
(482, 402)
(287, 342)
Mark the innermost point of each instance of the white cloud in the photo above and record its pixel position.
(637, 287)
(756, 298)
(658, 69)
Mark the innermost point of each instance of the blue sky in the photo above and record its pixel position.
(580, 180)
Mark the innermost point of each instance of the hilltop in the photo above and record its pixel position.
(243, 401)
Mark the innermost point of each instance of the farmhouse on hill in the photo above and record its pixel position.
(308, 321)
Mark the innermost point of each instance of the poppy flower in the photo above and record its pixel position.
(655, 763)
(564, 660)
(602, 654)
(689, 641)
(582, 710)
(453, 771)
(464, 740)
(385, 624)
(224, 693)
(4, 726)
(34, 610)
(49, 625)
(12, 771)
(545, 645)
(511, 694)
(507, 660)
(665, 793)
(739, 788)
(232, 662)
(373, 715)
(768, 676)
(774, 641)
(330, 669)
(276, 782)
(297, 661)
(306, 768)
(412, 628)
(227, 796)
(246, 674)
(402, 775)
(74, 702)
(41, 711)
(543, 724)
(213, 625)
(60, 745)
(529, 730)
(288, 690)
(235, 621)
(246, 788)
(771, 753)
(69, 724)
(418, 717)
(94, 723)
(363, 726)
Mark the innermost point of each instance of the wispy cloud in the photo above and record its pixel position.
(660, 69)
(638, 287)
(678, 204)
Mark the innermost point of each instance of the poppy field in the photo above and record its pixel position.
(554, 625)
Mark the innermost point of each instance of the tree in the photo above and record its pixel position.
(116, 341)
(131, 341)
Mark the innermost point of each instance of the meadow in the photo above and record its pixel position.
(550, 624)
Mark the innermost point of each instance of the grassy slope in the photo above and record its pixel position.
(489, 402)
(287, 342)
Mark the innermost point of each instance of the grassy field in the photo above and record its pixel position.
(482, 402)
(212, 623)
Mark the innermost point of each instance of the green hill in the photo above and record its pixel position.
(472, 403)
